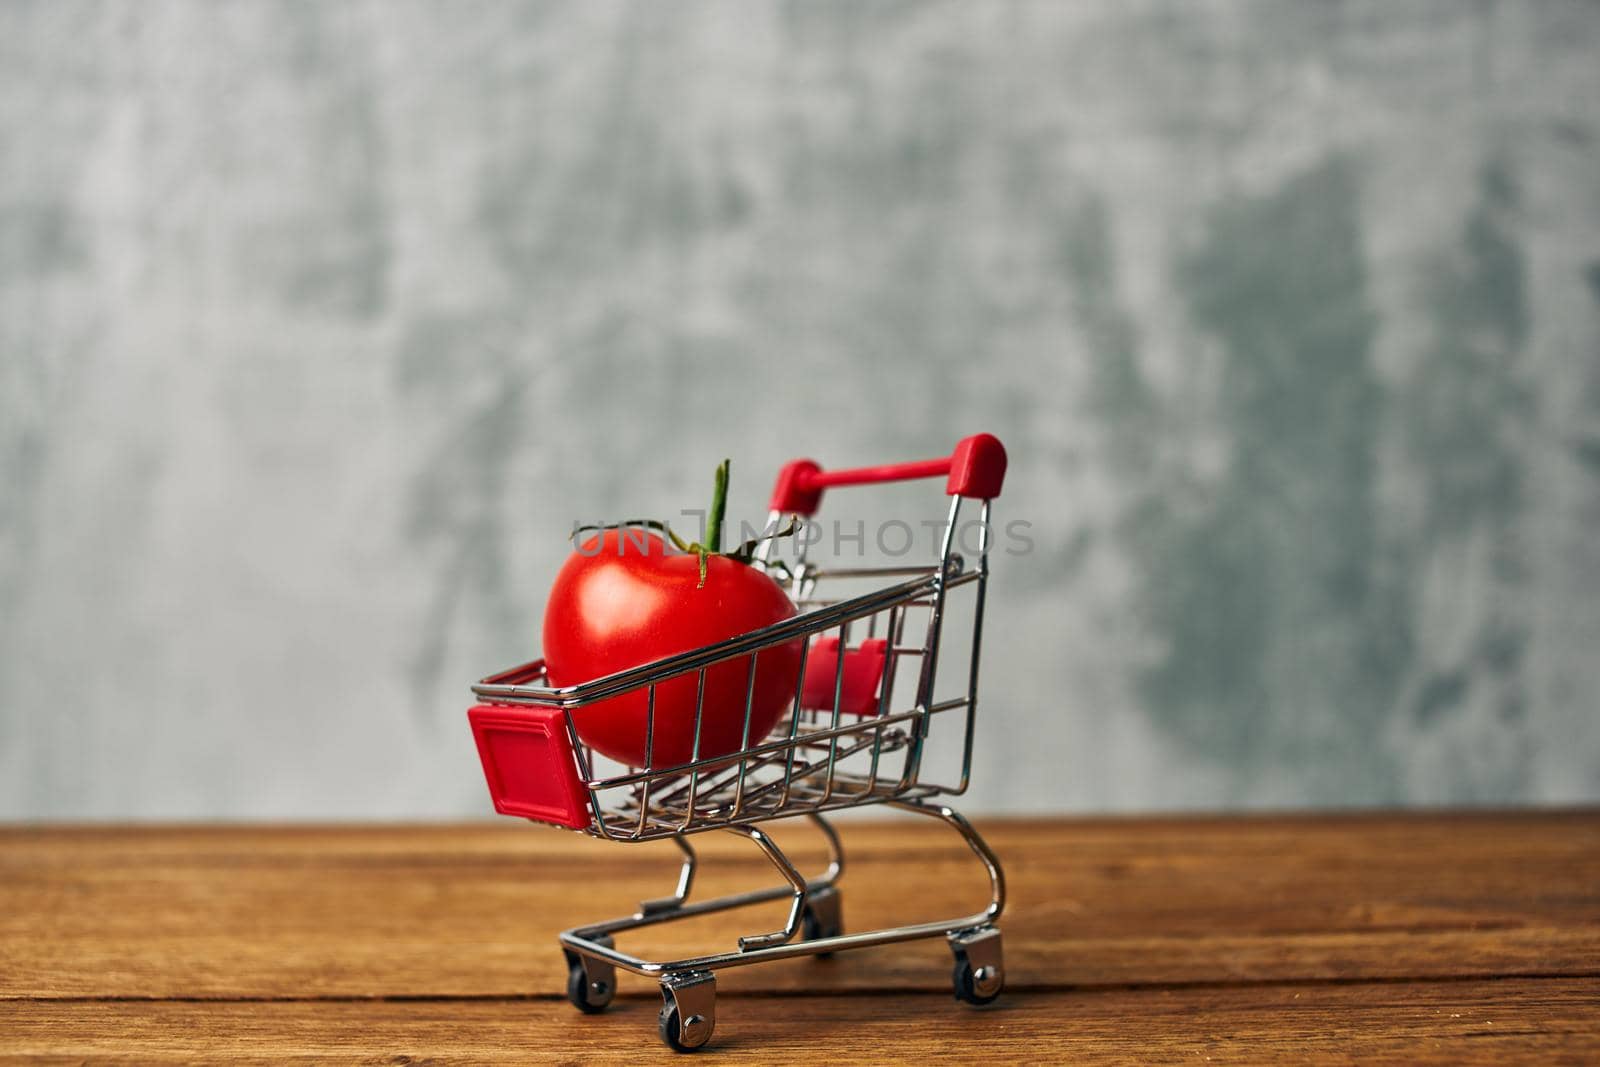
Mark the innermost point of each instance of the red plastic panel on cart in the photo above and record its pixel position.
(862, 676)
(529, 765)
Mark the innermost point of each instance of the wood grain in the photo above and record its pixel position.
(1340, 933)
(1448, 1022)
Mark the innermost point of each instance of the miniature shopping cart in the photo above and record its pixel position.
(852, 737)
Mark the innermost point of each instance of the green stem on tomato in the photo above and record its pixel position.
(719, 506)
(745, 553)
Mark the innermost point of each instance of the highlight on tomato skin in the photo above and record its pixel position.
(625, 599)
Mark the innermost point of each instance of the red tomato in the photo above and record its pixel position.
(624, 599)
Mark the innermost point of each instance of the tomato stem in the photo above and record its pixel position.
(745, 553)
(719, 506)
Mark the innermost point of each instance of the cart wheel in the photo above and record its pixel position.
(980, 972)
(590, 996)
(815, 929)
(973, 989)
(688, 1009)
(672, 1034)
(822, 918)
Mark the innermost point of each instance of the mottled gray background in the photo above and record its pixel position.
(320, 323)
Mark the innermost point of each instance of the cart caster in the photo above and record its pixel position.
(591, 983)
(979, 973)
(822, 917)
(689, 1013)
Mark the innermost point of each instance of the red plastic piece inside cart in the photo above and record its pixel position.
(529, 765)
(859, 682)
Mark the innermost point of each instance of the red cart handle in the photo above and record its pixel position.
(975, 469)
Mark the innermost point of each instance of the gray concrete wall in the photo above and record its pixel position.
(319, 324)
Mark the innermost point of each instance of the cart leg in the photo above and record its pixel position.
(823, 916)
(835, 852)
(591, 983)
(689, 1009)
(980, 971)
(794, 878)
(980, 848)
(685, 883)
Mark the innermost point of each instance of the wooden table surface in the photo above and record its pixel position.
(1448, 938)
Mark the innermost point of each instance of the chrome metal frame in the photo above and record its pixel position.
(594, 941)
(811, 764)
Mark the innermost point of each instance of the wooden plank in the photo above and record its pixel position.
(472, 910)
(1449, 1022)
